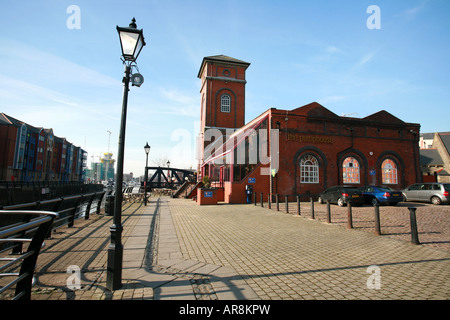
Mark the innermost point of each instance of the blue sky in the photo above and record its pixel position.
(67, 79)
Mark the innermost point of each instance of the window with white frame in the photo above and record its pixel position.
(309, 169)
(225, 103)
(350, 170)
(389, 172)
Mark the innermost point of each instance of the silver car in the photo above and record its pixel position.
(436, 193)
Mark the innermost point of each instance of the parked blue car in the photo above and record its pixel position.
(381, 195)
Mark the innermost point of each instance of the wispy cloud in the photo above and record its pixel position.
(19, 90)
(364, 60)
(46, 66)
(411, 13)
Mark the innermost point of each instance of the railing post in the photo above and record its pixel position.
(278, 204)
(88, 207)
(349, 216)
(29, 263)
(286, 203)
(413, 221)
(328, 212)
(312, 208)
(377, 220)
(262, 200)
(298, 205)
(74, 212)
(99, 203)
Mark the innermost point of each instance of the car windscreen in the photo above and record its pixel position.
(385, 189)
(351, 190)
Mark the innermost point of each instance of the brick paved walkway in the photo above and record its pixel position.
(175, 249)
(282, 256)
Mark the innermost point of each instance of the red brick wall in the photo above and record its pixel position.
(213, 88)
(7, 148)
(369, 143)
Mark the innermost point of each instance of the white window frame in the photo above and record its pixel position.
(225, 103)
(309, 169)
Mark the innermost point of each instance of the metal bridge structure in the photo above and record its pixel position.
(165, 177)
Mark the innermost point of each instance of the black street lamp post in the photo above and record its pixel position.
(132, 41)
(147, 150)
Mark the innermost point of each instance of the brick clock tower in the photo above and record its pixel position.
(222, 95)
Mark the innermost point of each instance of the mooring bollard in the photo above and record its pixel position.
(278, 204)
(328, 212)
(377, 220)
(312, 208)
(413, 221)
(286, 203)
(349, 216)
(298, 205)
(262, 200)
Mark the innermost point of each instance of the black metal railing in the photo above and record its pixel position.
(17, 233)
(69, 209)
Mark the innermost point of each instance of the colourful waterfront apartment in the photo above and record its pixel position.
(29, 153)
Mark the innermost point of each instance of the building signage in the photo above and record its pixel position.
(251, 180)
(310, 138)
(208, 194)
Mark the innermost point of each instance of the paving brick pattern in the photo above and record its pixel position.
(283, 256)
(177, 250)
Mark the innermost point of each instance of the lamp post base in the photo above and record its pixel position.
(115, 258)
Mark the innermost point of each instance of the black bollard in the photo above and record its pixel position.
(278, 204)
(286, 203)
(377, 220)
(262, 200)
(298, 205)
(268, 199)
(349, 216)
(413, 221)
(328, 212)
(312, 208)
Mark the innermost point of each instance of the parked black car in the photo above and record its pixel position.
(341, 195)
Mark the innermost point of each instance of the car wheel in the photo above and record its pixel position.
(436, 200)
(375, 202)
(341, 202)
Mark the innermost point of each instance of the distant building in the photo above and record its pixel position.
(107, 167)
(102, 170)
(29, 153)
(435, 156)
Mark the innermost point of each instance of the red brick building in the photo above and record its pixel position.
(299, 151)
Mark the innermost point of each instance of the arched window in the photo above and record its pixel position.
(309, 169)
(389, 172)
(225, 103)
(350, 170)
